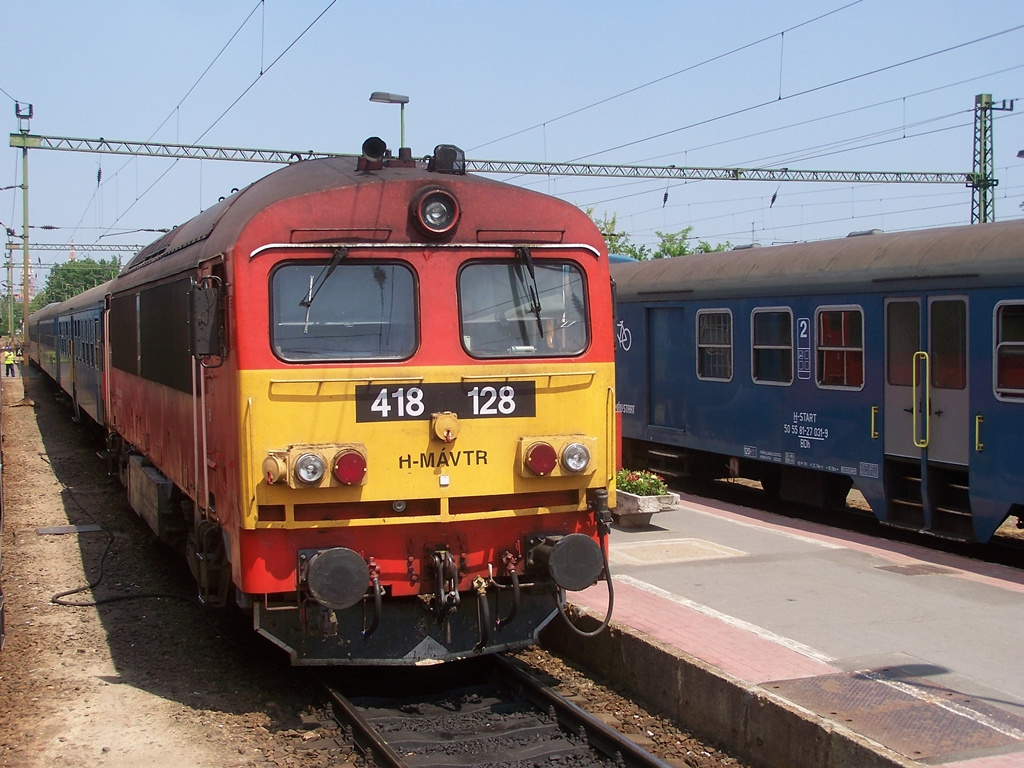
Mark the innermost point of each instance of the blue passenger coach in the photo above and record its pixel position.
(890, 362)
(66, 340)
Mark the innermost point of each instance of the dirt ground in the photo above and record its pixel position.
(151, 678)
(141, 681)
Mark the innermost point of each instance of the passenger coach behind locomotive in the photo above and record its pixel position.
(375, 397)
(894, 363)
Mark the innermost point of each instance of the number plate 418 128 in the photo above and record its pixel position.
(476, 400)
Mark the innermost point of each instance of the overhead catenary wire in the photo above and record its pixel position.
(661, 79)
(263, 72)
(798, 94)
(561, 188)
(719, 236)
(177, 107)
(789, 159)
(843, 113)
(815, 152)
(807, 91)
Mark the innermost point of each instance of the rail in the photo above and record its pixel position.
(572, 721)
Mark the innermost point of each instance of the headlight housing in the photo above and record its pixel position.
(575, 458)
(309, 469)
(435, 211)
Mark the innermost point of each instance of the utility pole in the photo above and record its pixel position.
(983, 201)
(10, 299)
(24, 113)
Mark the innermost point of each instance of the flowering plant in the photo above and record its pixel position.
(640, 482)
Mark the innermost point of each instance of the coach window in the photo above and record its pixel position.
(772, 349)
(714, 344)
(348, 311)
(949, 344)
(840, 348)
(504, 311)
(1009, 357)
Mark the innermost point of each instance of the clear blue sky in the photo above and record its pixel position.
(771, 83)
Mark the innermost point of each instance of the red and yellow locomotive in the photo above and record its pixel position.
(374, 399)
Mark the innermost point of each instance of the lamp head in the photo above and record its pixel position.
(383, 97)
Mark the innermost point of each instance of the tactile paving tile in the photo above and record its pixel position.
(658, 551)
(915, 569)
(912, 716)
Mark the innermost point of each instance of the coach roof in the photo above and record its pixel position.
(953, 257)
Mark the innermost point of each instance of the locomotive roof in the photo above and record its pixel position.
(952, 257)
(216, 229)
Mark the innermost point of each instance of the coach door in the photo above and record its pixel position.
(926, 396)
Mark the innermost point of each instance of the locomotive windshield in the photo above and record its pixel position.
(343, 311)
(523, 308)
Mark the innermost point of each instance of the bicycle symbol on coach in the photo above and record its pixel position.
(623, 336)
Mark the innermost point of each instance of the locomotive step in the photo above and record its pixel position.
(664, 454)
(953, 512)
(672, 473)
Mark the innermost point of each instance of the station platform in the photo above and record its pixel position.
(912, 653)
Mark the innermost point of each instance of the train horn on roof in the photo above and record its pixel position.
(374, 149)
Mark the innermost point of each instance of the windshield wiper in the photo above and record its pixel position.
(526, 257)
(318, 283)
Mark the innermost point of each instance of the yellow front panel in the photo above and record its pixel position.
(406, 459)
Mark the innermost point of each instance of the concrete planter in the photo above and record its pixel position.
(632, 511)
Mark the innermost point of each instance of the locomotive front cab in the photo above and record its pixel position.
(429, 425)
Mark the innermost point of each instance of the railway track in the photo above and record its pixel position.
(488, 713)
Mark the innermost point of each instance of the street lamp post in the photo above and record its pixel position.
(383, 97)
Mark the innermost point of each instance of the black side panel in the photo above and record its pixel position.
(124, 338)
(163, 334)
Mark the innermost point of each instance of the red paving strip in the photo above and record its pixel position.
(1015, 760)
(731, 649)
(752, 657)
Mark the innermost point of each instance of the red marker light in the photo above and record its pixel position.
(350, 467)
(541, 459)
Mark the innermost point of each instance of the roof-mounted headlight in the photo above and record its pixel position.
(447, 158)
(435, 211)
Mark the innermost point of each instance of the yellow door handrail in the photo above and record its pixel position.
(919, 356)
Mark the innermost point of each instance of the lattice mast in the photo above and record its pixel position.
(983, 199)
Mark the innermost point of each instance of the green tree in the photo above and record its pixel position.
(674, 244)
(634, 251)
(670, 244)
(73, 277)
(10, 303)
(608, 226)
